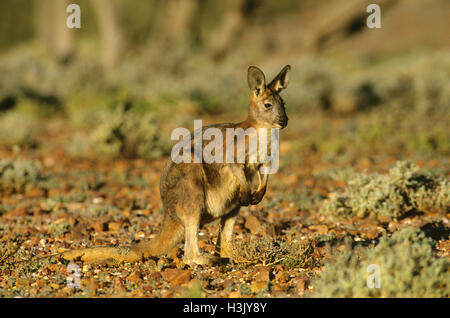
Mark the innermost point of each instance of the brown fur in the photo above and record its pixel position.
(195, 193)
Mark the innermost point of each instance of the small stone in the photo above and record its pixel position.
(281, 287)
(320, 228)
(253, 224)
(302, 284)
(97, 200)
(282, 276)
(140, 235)
(176, 276)
(262, 273)
(235, 294)
(35, 193)
(20, 211)
(113, 226)
(135, 276)
(91, 284)
(155, 276)
(257, 286)
(63, 292)
(98, 226)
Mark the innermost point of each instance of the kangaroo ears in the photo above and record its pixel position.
(281, 81)
(256, 79)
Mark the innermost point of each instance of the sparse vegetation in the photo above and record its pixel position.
(18, 175)
(127, 134)
(121, 133)
(408, 268)
(267, 251)
(390, 196)
(19, 129)
(84, 133)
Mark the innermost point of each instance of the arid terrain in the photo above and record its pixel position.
(364, 161)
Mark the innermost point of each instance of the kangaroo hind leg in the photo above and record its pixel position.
(192, 254)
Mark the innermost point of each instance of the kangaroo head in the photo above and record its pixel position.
(266, 105)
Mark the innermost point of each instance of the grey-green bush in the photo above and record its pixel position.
(389, 196)
(18, 175)
(18, 129)
(130, 135)
(407, 266)
(122, 134)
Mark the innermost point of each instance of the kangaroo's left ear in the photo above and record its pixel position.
(281, 81)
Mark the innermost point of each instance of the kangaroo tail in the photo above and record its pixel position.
(171, 233)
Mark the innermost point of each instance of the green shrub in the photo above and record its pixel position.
(18, 129)
(18, 175)
(127, 134)
(268, 251)
(122, 134)
(407, 268)
(389, 196)
(314, 87)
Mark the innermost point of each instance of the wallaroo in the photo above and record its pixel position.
(196, 191)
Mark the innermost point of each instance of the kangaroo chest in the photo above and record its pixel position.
(225, 188)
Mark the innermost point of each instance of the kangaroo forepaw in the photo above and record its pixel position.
(258, 196)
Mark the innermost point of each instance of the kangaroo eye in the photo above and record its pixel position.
(267, 105)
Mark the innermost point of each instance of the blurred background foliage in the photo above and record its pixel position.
(354, 91)
(116, 88)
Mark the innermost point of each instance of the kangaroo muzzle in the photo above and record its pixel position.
(283, 122)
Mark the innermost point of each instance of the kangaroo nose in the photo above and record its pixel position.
(283, 122)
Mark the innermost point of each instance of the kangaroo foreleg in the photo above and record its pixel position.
(258, 195)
